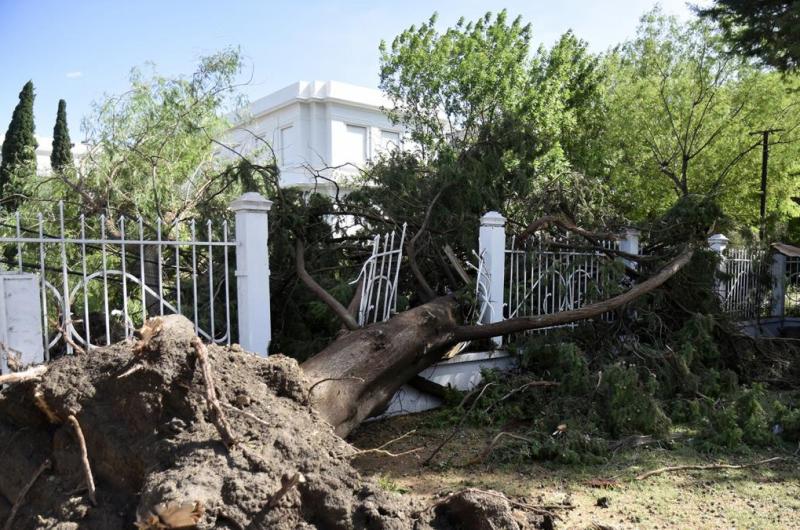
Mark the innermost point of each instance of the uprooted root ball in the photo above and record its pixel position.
(159, 460)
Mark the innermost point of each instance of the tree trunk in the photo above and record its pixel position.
(356, 375)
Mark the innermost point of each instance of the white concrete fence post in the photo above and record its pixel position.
(630, 245)
(252, 271)
(492, 248)
(718, 243)
(778, 273)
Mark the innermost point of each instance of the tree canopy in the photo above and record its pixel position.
(767, 30)
(679, 115)
(61, 156)
(19, 149)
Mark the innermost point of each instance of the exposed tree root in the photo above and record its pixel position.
(87, 468)
(215, 410)
(31, 374)
(23, 492)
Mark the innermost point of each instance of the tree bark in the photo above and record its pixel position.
(355, 376)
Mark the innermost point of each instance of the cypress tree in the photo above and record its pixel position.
(19, 146)
(61, 157)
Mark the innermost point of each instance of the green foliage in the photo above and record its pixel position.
(61, 157)
(558, 361)
(763, 29)
(787, 419)
(19, 150)
(627, 402)
(680, 113)
(494, 126)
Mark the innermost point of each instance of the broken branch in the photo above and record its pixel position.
(340, 310)
(707, 467)
(514, 325)
(489, 448)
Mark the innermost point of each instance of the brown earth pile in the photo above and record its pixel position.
(159, 461)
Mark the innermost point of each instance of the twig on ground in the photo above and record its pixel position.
(670, 469)
(639, 440)
(23, 492)
(520, 389)
(217, 415)
(30, 374)
(87, 469)
(457, 427)
(287, 483)
(381, 449)
(489, 448)
(537, 509)
(245, 413)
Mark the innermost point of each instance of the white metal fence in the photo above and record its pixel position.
(97, 280)
(549, 276)
(791, 285)
(379, 277)
(97, 288)
(744, 287)
(540, 275)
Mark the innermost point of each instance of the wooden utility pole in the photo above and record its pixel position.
(764, 161)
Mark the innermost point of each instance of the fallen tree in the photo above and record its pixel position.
(356, 375)
(170, 433)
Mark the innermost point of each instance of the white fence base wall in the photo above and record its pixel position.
(20, 319)
(769, 326)
(462, 372)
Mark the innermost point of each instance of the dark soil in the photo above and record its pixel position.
(159, 462)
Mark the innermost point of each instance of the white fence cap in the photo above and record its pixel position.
(251, 202)
(493, 219)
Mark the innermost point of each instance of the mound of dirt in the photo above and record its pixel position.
(158, 458)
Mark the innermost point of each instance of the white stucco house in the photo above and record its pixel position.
(329, 127)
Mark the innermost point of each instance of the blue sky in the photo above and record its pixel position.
(80, 50)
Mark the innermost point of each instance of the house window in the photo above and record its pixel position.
(390, 141)
(286, 148)
(355, 145)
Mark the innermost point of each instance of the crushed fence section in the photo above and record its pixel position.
(744, 283)
(379, 277)
(551, 276)
(101, 278)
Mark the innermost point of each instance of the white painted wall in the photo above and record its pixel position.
(320, 126)
(45, 148)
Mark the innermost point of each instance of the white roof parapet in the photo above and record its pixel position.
(321, 91)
